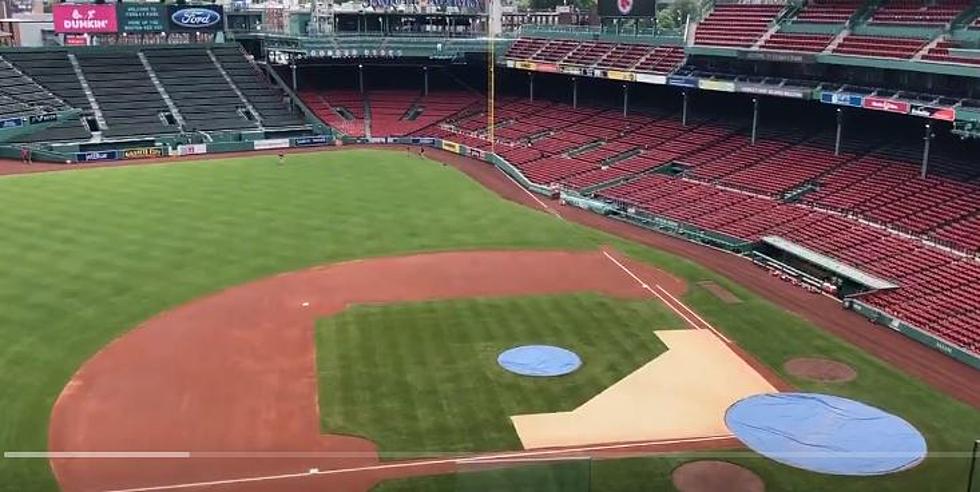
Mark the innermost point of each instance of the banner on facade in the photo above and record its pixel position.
(142, 17)
(197, 18)
(842, 99)
(649, 78)
(773, 90)
(883, 104)
(618, 75)
(84, 18)
(627, 8)
(691, 82)
(76, 40)
(945, 114)
(523, 65)
(717, 85)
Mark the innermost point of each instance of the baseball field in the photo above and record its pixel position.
(252, 326)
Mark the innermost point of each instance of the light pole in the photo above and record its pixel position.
(840, 130)
(626, 98)
(684, 109)
(925, 150)
(360, 77)
(574, 93)
(530, 77)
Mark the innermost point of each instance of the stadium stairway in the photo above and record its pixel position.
(124, 94)
(178, 118)
(269, 102)
(252, 113)
(203, 97)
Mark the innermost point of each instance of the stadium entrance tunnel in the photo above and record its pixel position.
(826, 434)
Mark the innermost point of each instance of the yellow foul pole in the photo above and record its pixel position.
(490, 75)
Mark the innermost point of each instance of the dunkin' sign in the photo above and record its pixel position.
(84, 18)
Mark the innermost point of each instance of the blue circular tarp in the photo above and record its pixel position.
(826, 434)
(539, 360)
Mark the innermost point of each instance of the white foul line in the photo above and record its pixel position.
(414, 464)
(699, 318)
(669, 304)
(648, 289)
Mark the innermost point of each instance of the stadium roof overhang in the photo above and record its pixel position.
(829, 264)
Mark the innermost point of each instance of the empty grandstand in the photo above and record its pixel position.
(133, 92)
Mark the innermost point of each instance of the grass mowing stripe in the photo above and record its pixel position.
(471, 333)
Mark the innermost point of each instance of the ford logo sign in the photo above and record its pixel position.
(195, 18)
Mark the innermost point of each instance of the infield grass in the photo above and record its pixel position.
(437, 361)
(87, 255)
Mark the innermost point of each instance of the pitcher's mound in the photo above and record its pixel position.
(713, 476)
(820, 370)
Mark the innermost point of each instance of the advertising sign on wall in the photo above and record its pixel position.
(683, 81)
(945, 114)
(627, 8)
(76, 40)
(842, 99)
(142, 17)
(717, 85)
(12, 122)
(450, 146)
(272, 143)
(648, 78)
(777, 56)
(97, 155)
(305, 141)
(142, 153)
(890, 105)
(523, 65)
(618, 75)
(84, 18)
(196, 18)
(771, 90)
(35, 119)
(193, 149)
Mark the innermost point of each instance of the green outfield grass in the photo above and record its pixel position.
(87, 255)
(422, 378)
